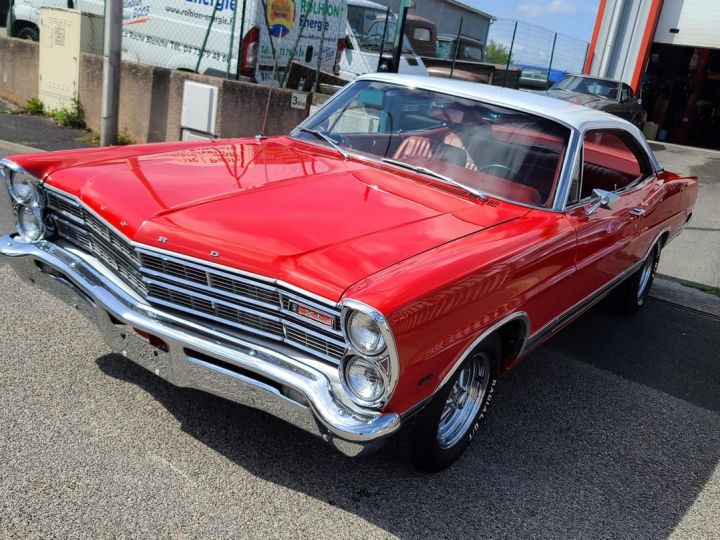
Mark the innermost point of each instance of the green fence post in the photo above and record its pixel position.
(207, 35)
(232, 38)
(507, 66)
(322, 45)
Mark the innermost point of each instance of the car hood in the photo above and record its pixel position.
(576, 97)
(280, 208)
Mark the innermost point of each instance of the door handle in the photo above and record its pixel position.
(637, 212)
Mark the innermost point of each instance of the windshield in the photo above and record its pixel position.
(369, 24)
(489, 149)
(468, 51)
(587, 85)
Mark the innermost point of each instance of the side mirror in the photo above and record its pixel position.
(604, 199)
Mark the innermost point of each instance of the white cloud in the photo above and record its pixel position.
(531, 10)
(554, 6)
(560, 6)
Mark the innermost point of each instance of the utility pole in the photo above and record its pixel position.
(111, 72)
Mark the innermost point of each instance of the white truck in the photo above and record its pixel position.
(266, 35)
(370, 34)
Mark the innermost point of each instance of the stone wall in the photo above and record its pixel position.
(151, 97)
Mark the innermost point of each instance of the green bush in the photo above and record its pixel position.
(35, 106)
(72, 116)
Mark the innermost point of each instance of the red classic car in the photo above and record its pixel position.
(380, 267)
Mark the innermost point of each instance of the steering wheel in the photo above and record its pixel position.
(513, 175)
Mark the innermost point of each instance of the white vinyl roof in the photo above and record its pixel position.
(572, 115)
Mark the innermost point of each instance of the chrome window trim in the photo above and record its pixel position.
(655, 167)
(464, 95)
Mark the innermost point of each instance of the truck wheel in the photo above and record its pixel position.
(444, 428)
(630, 296)
(29, 32)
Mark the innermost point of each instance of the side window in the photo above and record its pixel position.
(610, 162)
(626, 93)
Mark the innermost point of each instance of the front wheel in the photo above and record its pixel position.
(444, 428)
(29, 33)
(630, 296)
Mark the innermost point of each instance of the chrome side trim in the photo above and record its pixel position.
(247, 369)
(586, 303)
(518, 315)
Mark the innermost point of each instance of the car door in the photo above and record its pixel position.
(629, 106)
(611, 241)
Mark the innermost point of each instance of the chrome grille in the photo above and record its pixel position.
(213, 279)
(238, 303)
(74, 223)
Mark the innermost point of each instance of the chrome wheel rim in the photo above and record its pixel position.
(645, 277)
(464, 402)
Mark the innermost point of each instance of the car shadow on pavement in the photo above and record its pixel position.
(610, 430)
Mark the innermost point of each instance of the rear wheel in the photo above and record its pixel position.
(444, 428)
(630, 296)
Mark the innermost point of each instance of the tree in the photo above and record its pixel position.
(497, 53)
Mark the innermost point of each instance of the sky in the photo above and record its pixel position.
(575, 18)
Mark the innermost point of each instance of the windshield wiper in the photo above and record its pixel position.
(424, 170)
(320, 135)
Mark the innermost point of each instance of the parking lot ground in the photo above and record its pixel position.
(38, 132)
(612, 429)
(695, 255)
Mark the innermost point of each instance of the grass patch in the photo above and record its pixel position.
(34, 106)
(93, 138)
(72, 116)
(699, 286)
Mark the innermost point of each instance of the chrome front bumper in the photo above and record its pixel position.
(261, 374)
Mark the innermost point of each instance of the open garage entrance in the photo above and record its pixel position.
(681, 94)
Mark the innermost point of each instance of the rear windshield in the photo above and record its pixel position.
(495, 150)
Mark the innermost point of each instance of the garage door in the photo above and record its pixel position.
(693, 23)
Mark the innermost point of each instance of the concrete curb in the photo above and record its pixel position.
(684, 148)
(19, 148)
(689, 298)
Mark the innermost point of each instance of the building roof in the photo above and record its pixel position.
(469, 8)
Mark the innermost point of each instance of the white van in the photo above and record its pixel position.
(368, 32)
(171, 33)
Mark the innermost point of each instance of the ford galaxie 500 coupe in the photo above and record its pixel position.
(378, 268)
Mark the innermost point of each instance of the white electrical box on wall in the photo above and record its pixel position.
(64, 34)
(199, 107)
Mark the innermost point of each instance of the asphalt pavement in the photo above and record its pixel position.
(695, 256)
(610, 430)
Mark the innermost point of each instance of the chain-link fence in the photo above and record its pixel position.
(299, 43)
(259, 39)
(543, 56)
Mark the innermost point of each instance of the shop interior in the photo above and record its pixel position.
(681, 95)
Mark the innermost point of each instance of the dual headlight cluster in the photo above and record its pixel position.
(368, 375)
(28, 201)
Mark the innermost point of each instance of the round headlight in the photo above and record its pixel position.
(30, 224)
(365, 334)
(364, 379)
(22, 187)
